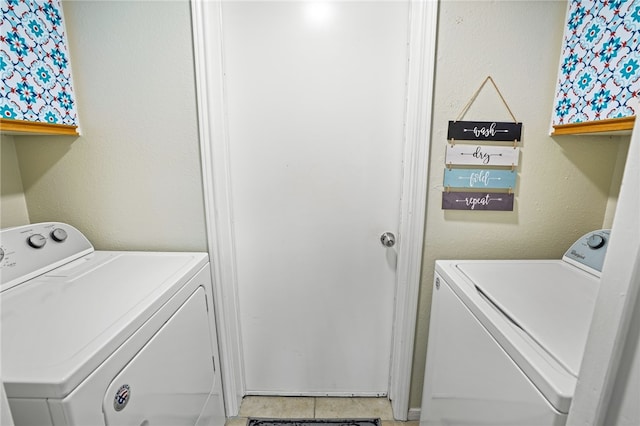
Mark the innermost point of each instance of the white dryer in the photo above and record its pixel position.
(507, 337)
(105, 338)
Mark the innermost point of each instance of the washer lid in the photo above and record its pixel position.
(59, 327)
(552, 302)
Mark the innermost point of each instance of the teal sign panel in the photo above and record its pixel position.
(480, 178)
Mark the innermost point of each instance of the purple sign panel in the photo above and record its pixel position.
(497, 201)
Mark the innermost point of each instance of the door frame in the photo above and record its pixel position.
(214, 150)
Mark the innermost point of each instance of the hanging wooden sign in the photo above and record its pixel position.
(480, 178)
(497, 201)
(482, 155)
(484, 130)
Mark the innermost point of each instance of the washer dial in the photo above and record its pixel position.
(595, 241)
(37, 241)
(59, 235)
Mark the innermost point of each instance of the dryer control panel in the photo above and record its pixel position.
(31, 250)
(589, 251)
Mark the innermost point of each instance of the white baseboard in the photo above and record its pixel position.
(414, 414)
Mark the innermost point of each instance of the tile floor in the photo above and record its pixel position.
(309, 407)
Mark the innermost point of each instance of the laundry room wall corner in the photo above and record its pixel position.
(563, 185)
(132, 180)
(13, 204)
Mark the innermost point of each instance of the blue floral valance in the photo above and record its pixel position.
(34, 63)
(599, 74)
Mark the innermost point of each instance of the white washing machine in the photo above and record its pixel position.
(506, 338)
(105, 338)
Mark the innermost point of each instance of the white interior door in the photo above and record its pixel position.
(315, 100)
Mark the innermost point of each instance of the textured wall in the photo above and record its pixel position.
(132, 180)
(563, 182)
(13, 206)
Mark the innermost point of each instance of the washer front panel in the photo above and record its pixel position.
(170, 378)
(470, 379)
(59, 327)
(552, 302)
(549, 376)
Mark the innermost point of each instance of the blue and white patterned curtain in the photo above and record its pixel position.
(599, 74)
(34, 63)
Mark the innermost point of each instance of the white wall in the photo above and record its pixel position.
(614, 191)
(132, 180)
(611, 364)
(563, 182)
(624, 409)
(5, 413)
(13, 206)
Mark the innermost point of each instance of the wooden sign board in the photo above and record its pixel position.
(484, 130)
(496, 201)
(482, 155)
(480, 178)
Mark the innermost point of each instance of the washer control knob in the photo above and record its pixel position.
(595, 241)
(1, 254)
(37, 241)
(59, 235)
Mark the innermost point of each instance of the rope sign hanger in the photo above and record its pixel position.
(477, 92)
(495, 131)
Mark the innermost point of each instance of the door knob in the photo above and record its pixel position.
(388, 239)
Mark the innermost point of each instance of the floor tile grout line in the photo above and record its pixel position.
(321, 401)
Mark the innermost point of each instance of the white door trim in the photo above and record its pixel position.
(206, 19)
(420, 82)
(214, 142)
